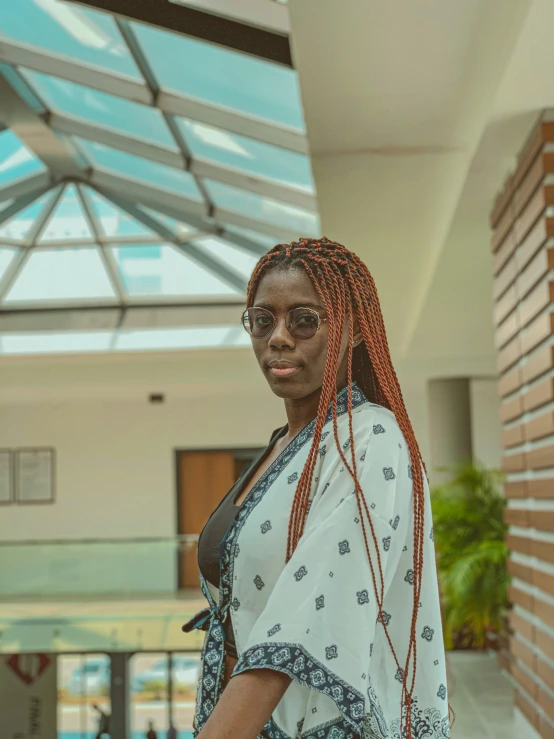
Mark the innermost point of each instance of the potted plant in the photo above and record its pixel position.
(471, 555)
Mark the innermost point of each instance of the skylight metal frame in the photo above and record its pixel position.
(19, 54)
(51, 135)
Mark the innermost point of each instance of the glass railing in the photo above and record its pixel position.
(97, 595)
(116, 567)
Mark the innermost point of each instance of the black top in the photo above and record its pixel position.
(217, 526)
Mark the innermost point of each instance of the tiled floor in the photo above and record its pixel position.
(482, 698)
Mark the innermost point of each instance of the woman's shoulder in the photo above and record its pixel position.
(372, 419)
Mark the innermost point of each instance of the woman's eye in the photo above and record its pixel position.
(306, 319)
(262, 320)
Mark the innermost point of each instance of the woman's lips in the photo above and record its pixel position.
(284, 370)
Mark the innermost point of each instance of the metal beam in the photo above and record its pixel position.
(179, 158)
(203, 227)
(35, 185)
(231, 218)
(152, 83)
(165, 233)
(285, 137)
(175, 206)
(109, 137)
(12, 272)
(20, 204)
(47, 211)
(135, 90)
(219, 269)
(105, 317)
(56, 152)
(110, 265)
(257, 250)
(147, 194)
(196, 23)
(274, 16)
(69, 68)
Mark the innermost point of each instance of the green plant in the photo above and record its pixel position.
(471, 554)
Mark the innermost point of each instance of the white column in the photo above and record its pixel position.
(449, 425)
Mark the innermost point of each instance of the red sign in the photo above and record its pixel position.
(29, 667)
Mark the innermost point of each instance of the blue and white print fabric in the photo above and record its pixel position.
(316, 618)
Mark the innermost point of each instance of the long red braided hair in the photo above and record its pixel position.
(348, 293)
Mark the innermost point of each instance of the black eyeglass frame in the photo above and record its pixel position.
(320, 320)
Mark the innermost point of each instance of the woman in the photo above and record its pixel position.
(318, 566)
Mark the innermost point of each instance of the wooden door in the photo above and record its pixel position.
(203, 480)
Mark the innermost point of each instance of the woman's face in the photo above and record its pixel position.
(279, 291)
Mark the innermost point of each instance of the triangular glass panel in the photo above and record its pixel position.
(16, 160)
(68, 222)
(161, 270)
(231, 256)
(263, 240)
(113, 222)
(73, 274)
(19, 226)
(181, 229)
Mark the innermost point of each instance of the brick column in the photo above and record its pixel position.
(523, 263)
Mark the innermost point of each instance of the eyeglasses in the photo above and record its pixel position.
(302, 323)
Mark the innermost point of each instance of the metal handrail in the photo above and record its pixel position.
(181, 538)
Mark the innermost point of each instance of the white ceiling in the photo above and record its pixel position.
(414, 113)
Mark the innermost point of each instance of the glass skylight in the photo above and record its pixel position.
(164, 270)
(113, 221)
(263, 209)
(68, 221)
(70, 30)
(175, 164)
(254, 157)
(222, 76)
(19, 226)
(101, 109)
(16, 159)
(61, 275)
(151, 173)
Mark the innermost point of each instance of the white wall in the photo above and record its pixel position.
(115, 456)
(115, 461)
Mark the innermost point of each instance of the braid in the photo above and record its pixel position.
(347, 291)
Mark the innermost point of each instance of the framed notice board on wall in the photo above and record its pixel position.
(35, 475)
(7, 483)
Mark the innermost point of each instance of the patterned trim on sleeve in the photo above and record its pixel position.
(359, 718)
(299, 665)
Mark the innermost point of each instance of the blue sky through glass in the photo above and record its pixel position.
(102, 109)
(263, 209)
(113, 221)
(222, 76)
(145, 170)
(254, 157)
(69, 29)
(240, 260)
(68, 221)
(73, 274)
(165, 272)
(19, 226)
(16, 160)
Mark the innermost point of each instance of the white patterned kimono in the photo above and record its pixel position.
(316, 618)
